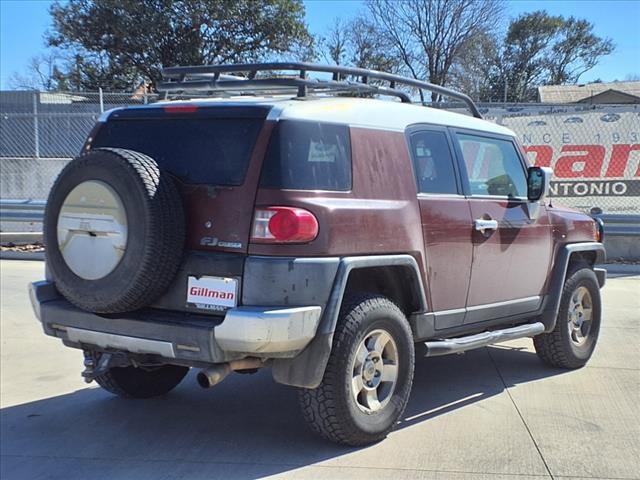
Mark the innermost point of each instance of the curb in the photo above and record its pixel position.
(621, 269)
(11, 255)
(20, 238)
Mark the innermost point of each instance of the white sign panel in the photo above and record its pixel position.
(595, 153)
(212, 293)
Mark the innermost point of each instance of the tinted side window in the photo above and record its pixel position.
(308, 156)
(433, 162)
(493, 166)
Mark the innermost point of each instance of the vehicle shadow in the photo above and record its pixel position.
(247, 427)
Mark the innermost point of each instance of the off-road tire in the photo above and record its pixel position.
(330, 409)
(556, 348)
(132, 382)
(156, 231)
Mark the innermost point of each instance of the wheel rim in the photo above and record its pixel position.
(580, 315)
(92, 230)
(374, 371)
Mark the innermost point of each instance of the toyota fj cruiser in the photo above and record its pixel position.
(286, 224)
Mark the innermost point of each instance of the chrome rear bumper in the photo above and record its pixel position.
(268, 332)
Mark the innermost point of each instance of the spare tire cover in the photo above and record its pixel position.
(114, 231)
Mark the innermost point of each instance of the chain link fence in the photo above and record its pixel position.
(41, 131)
(594, 149)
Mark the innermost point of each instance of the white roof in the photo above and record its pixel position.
(361, 112)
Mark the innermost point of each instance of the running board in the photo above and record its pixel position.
(462, 344)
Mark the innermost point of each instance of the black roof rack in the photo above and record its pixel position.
(216, 78)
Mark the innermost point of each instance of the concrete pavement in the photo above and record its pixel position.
(494, 413)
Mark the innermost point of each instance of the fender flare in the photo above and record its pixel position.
(307, 368)
(558, 276)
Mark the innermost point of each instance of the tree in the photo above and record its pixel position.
(41, 74)
(576, 50)
(541, 49)
(429, 36)
(116, 44)
(471, 72)
(368, 47)
(335, 43)
(357, 43)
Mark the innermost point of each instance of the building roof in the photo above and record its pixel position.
(580, 93)
(355, 112)
(611, 96)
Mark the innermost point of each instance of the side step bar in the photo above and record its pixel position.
(462, 344)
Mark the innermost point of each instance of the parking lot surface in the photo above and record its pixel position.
(493, 413)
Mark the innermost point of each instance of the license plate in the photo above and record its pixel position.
(212, 293)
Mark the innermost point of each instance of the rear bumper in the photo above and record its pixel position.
(267, 332)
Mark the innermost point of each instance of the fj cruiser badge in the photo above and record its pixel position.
(214, 242)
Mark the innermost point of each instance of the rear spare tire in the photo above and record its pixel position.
(114, 231)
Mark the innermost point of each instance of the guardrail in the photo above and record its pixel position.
(620, 225)
(33, 211)
(22, 210)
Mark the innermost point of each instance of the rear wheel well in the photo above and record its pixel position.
(397, 282)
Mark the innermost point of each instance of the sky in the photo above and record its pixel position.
(23, 24)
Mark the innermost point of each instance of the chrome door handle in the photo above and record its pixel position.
(482, 225)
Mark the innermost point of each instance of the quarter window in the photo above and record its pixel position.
(433, 162)
(493, 166)
(308, 156)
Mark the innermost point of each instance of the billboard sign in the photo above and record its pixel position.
(595, 153)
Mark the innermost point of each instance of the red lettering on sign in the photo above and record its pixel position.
(592, 160)
(544, 154)
(206, 292)
(620, 159)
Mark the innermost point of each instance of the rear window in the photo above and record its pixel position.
(212, 151)
(308, 156)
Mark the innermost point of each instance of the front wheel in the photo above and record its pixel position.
(572, 342)
(368, 378)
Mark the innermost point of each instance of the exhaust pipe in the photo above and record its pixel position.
(213, 375)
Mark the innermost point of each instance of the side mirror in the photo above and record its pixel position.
(538, 182)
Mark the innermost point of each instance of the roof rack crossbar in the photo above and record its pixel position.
(279, 85)
(199, 78)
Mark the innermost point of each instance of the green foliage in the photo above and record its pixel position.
(117, 44)
(541, 49)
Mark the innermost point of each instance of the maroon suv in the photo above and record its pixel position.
(297, 223)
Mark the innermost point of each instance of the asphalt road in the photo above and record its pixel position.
(491, 413)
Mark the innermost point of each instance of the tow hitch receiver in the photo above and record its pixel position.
(91, 370)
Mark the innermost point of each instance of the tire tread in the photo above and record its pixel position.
(320, 406)
(552, 347)
(164, 242)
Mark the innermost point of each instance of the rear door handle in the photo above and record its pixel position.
(482, 225)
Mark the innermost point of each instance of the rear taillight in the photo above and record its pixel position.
(283, 225)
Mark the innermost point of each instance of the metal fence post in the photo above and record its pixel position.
(505, 90)
(101, 100)
(36, 127)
